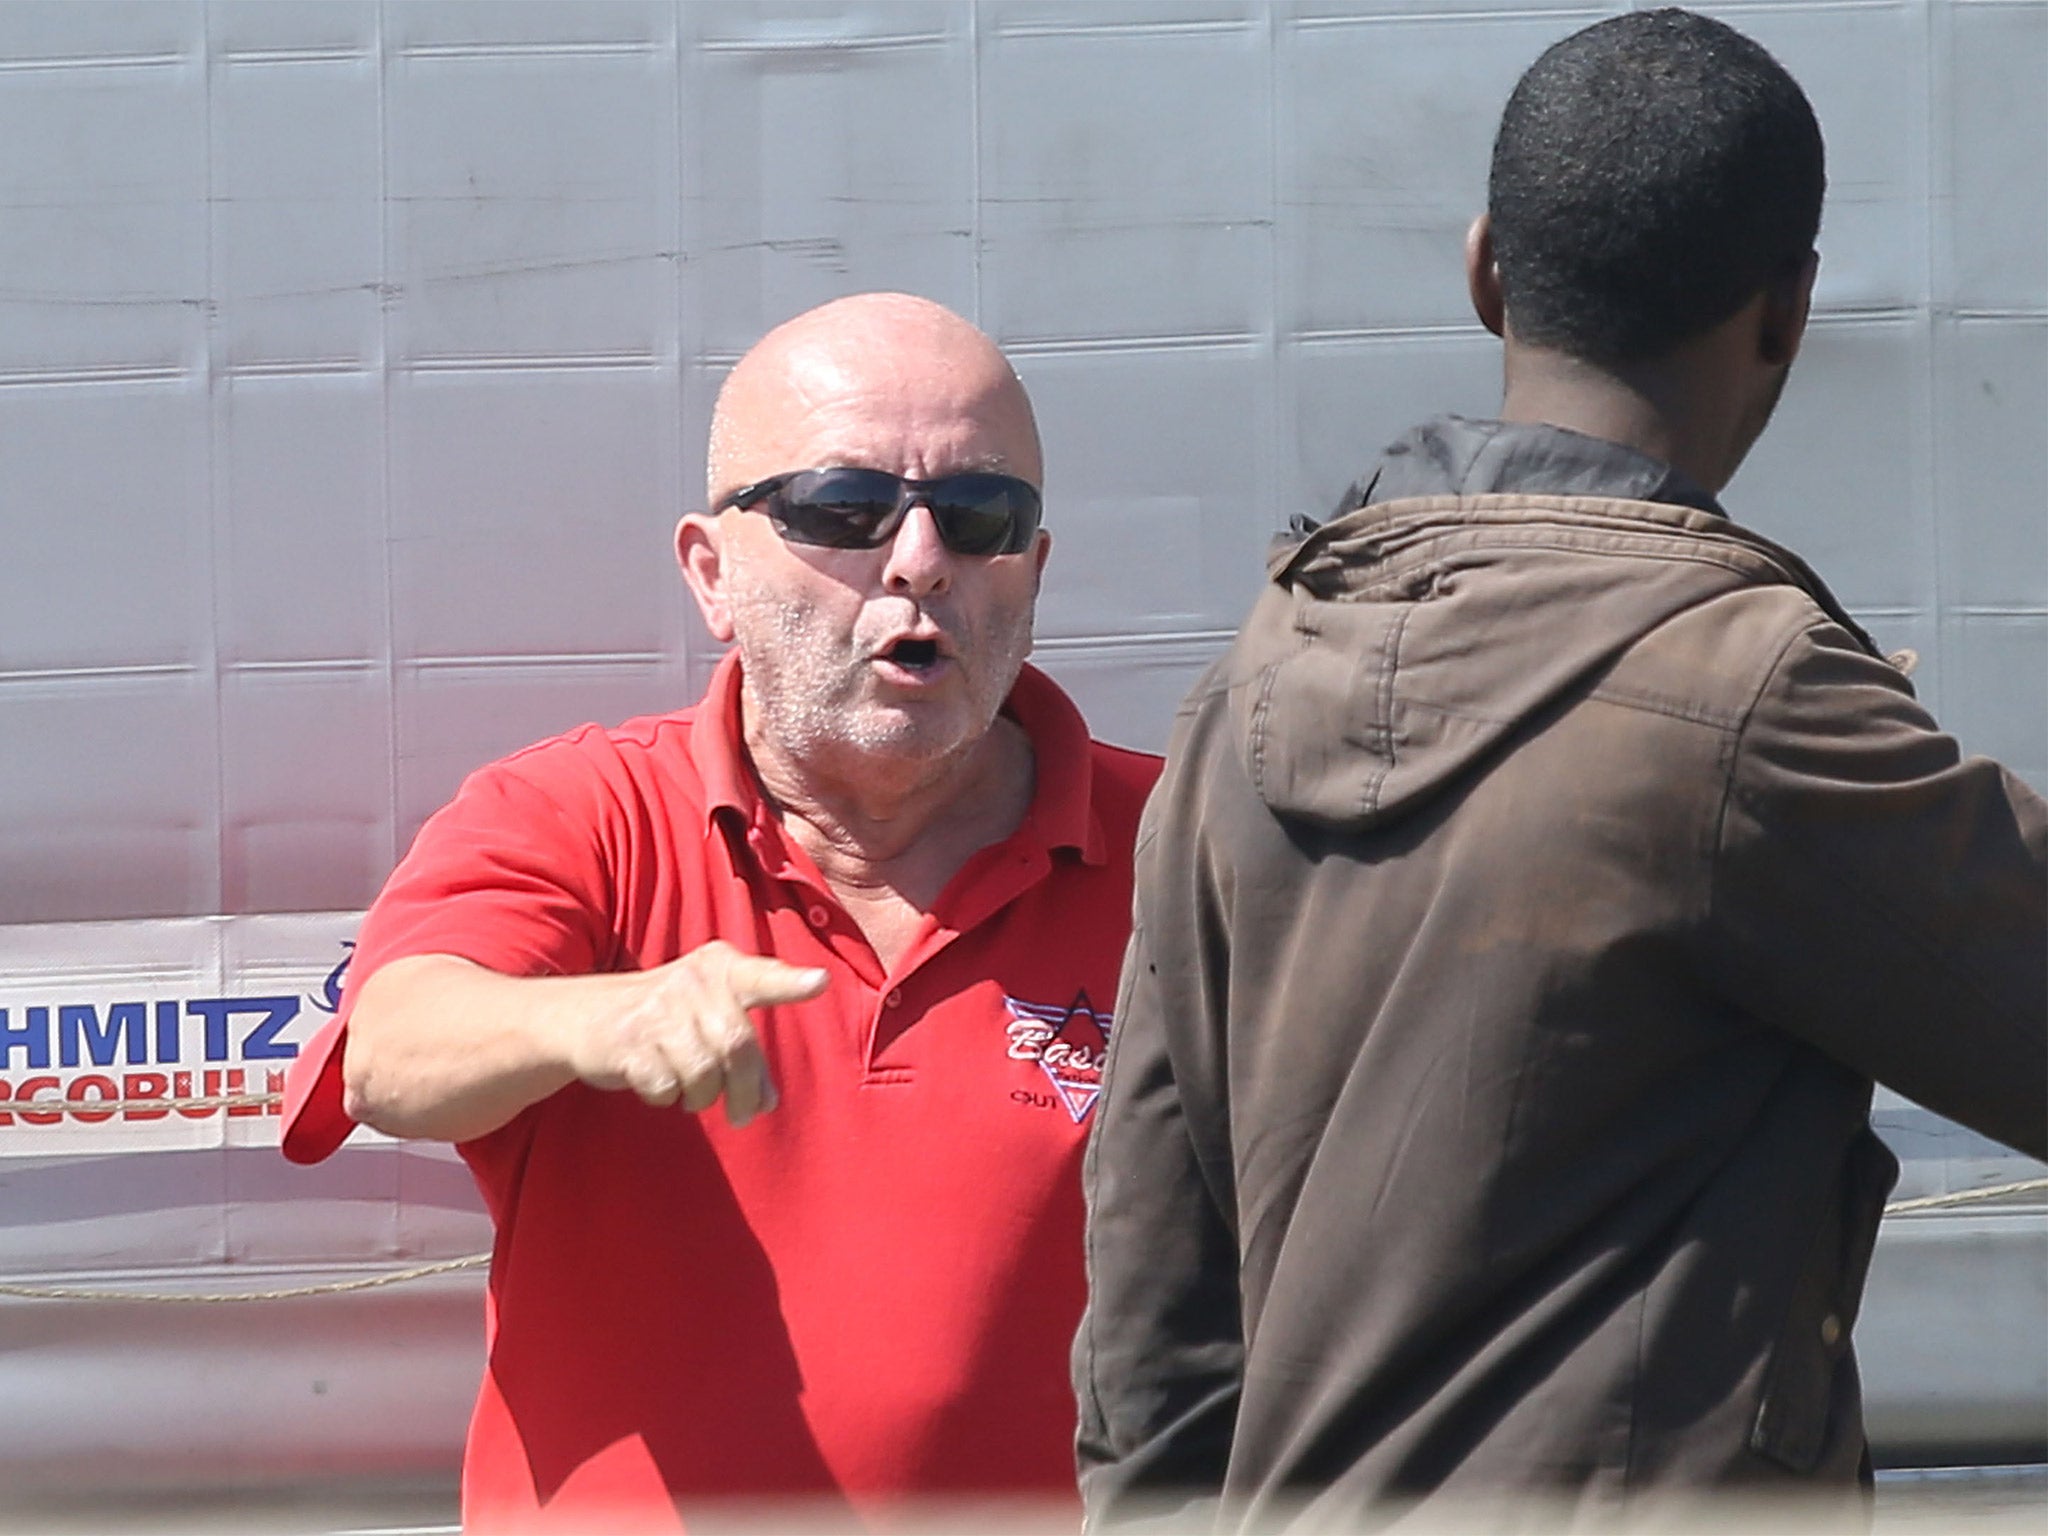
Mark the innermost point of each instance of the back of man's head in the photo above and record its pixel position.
(1651, 175)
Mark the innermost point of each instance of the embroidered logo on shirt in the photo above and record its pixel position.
(1067, 1043)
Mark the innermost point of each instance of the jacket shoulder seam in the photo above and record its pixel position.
(1668, 705)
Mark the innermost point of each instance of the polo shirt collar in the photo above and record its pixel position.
(1061, 814)
(1063, 759)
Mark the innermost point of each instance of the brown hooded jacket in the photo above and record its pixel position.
(1533, 893)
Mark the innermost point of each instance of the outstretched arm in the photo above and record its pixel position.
(441, 1047)
(1884, 897)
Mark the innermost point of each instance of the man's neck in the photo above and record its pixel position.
(1672, 410)
(886, 831)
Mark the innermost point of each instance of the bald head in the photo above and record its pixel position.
(867, 379)
(871, 671)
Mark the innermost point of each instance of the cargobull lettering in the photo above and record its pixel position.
(136, 1095)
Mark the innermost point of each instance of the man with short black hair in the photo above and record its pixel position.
(1649, 179)
(1533, 893)
(770, 1027)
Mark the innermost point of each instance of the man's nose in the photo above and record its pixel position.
(919, 562)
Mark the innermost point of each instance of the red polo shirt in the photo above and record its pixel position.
(868, 1294)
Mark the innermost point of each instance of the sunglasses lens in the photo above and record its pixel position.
(985, 514)
(838, 508)
(977, 514)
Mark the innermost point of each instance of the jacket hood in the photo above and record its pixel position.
(1399, 643)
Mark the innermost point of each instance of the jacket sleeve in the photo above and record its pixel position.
(1159, 1355)
(1883, 897)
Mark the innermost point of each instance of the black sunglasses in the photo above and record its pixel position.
(977, 513)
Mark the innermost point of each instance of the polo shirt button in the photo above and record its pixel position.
(819, 916)
(894, 999)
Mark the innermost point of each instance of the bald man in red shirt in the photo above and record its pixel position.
(771, 1028)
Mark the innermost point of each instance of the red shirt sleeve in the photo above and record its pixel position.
(510, 874)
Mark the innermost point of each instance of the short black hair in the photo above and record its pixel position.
(1652, 174)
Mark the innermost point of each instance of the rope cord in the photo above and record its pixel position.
(326, 1288)
(101, 1108)
(1966, 1196)
(476, 1260)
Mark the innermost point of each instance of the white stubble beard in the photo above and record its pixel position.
(804, 686)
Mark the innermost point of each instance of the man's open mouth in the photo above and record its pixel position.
(917, 655)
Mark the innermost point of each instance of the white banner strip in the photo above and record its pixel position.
(167, 1034)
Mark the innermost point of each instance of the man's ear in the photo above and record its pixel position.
(1782, 323)
(701, 555)
(1482, 275)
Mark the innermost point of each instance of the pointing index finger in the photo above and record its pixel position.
(757, 981)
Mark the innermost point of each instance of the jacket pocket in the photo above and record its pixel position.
(1792, 1420)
